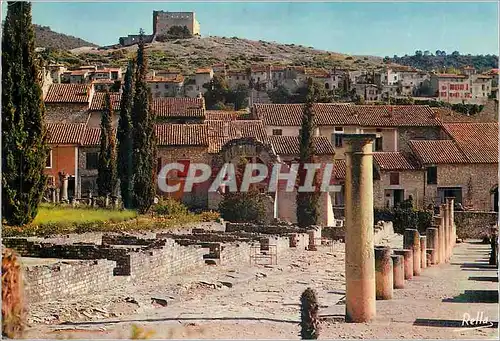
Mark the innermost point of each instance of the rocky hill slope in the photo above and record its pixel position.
(238, 53)
(45, 37)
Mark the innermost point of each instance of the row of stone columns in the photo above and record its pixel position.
(373, 272)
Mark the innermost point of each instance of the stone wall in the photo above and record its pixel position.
(63, 279)
(474, 224)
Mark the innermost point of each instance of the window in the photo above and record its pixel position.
(378, 144)
(48, 162)
(237, 78)
(338, 140)
(432, 175)
(277, 132)
(394, 178)
(158, 165)
(157, 86)
(166, 86)
(91, 160)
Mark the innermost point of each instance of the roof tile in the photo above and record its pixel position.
(394, 161)
(437, 151)
(97, 103)
(65, 133)
(478, 141)
(181, 135)
(68, 93)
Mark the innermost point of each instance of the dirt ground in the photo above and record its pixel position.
(262, 302)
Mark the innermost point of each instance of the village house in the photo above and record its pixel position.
(237, 77)
(166, 86)
(68, 103)
(464, 166)
(393, 125)
(369, 92)
(62, 169)
(461, 88)
(88, 161)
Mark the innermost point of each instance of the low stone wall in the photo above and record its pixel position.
(474, 224)
(61, 280)
(382, 230)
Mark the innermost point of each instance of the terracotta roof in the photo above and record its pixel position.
(215, 143)
(204, 70)
(92, 137)
(172, 79)
(236, 73)
(97, 103)
(493, 72)
(68, 93)
(478, 141)
(396, 115)
(291, 114)
(448, 115)
(65, 133)
(258, 68)
(437, 151)
(290, 145)
(221, 115)
(450, 75)
(344, 114)
(181, 135)
(78, 72)
(339, 169)
(103, 81)
(179, 107)
(393, 161)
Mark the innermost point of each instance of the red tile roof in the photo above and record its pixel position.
(181, 135)
(290, 145)
(437, 152)
(92, 137)
(172, 79)
(221, 115)
(345, 114)
(478, 141)
(447, 115)
(179, 107)
(203, 70)
(450, 75)
(393, 161)
(291, 114)
(396, 115)
(339, 169)
(97, 103)
(65, 133)
(68, 93)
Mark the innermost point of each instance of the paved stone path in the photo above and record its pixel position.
(262, 302)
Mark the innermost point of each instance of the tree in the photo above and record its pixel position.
(280, 95)
(125, 146)
(107, 173)
(144, 141)
(309, 320)
(216, 92)
(24, 134)
(307, 202)
(238, 96)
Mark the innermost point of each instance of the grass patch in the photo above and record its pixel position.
(56, 220)
(50, 214)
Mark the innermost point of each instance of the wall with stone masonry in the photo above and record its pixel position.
(61, 280)
(474, 224)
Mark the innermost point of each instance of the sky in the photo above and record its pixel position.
(358, 28)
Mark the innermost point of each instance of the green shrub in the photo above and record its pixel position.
(405, 217)
(244, 207)
(170, 207)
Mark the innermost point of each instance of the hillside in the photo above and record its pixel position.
(189, 54)
(441, 61)
(45, 37)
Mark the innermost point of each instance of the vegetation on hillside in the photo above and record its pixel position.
(441, 61)
(24, 134)
(45, 37)
(219, 97)
(281, 95)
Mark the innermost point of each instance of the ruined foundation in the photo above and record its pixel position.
(398, 271)
(423, 252)
(383, 273)
(411, 240)
(433, 244)
(408, 261)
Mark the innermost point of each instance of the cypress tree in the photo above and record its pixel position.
(125, 147)
(107, 173)
(307, 202)
(144, 141)
(24, 134)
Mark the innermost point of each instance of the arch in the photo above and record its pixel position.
(327, 86)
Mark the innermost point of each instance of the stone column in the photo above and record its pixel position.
(398, 271)
(359, 245)
(411, 240)
(438, 222)
(433, 244)
(58, 192)
(53, 195)
(383, 273)
(445, 220)
(407, 261)
(312, 241)
(65, 188)
(423, 252)
(451, 222)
